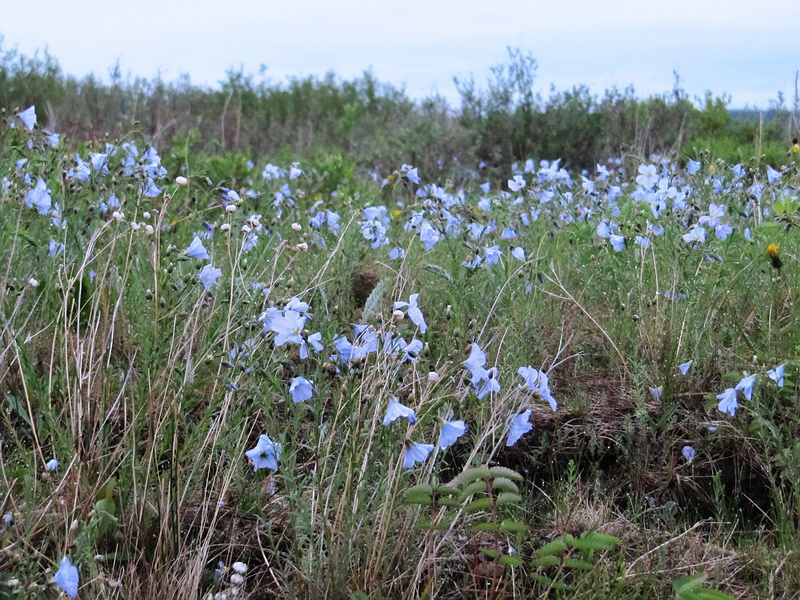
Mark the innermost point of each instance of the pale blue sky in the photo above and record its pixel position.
(747, 49)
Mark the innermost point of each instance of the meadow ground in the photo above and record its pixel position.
(303, 381)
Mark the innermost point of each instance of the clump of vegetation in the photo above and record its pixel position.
(228, 375)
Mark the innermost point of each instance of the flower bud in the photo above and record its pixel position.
(181, 180)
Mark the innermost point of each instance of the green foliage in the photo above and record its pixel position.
(559, 561)
(691, 588)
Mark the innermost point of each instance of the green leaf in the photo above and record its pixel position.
(448, 502)
(511, 561)
(486, 527)
(479, 504)
(546, 561)
(509, 498)
(440, 271)
(471, 475)
(447, 490)
(687, 584)
(576, 563)
(504, 484)
(420, 488)
(489, 552)
(591, 540)
(505, 472)
(372, 305)
(420, 498)
(712, 594)
(508, 526)
(472, 488)
(541, 579)
(557, 546)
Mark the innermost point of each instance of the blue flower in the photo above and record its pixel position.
(52, 138)
(777, 374)
(518, 253)
(395, 410)
(416, 452)
(475, 363)
(493, 254)
(688, 453)
(772, 174)
(52, 464)
(696, 234)
(516, 184)
(656, 392)
(617, 242)
(692, 167)
(39, 197)
(539, 384)
(265, 454)
(301, 389)
(451, 431)
(414, 313)
(28, 117)
(519, 427)
(746, 386)
(209, 276)
(728, 403)
(428, 235)
(288, 327)
(684, 367)
(67, 577)
(55, 248)
(197, 250)
(410, 173)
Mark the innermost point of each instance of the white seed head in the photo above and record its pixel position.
(237, 579)
(33, 282)
(146, 215)
(302, 246)
(398, 315)
(225, 227)
(148, 229)
(117, 216)
(135, 226)
(246, 228)
(434, 377)
(297, 227)
(239, 567)
(181, 180)
(231, 208)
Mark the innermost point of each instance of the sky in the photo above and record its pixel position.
(748, 50)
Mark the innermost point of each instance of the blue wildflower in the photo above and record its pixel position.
(519, 427)
(67, 577)
(451, 431)
(395, 410)
(265, 454)
(301, 389)
(416, 452)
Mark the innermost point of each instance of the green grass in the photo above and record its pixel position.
(117, 362)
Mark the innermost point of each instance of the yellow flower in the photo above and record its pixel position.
(772, 251)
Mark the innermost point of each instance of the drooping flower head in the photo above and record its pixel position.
(416, 452)
(301, 389)
(395, 410)
(67, 577)
(519, 427)
(451, 431)
(265, 454)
